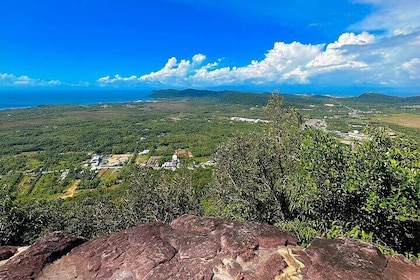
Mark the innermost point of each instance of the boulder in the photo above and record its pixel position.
(207, 248)
(345, 258)
(190, 248)
(45, 250)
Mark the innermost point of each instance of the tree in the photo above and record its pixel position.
(309, 181)
(11, 218)
(372, 185)
(162, 196)
(283, 128)
(93, 216)
(249, 166)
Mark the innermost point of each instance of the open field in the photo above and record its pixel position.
(404, 119)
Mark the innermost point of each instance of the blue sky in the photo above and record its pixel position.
(295, 46)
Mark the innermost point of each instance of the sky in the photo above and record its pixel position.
(299, 46)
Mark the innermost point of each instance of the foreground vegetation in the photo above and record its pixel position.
(304, 180)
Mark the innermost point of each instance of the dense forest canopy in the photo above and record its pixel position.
(308, 181)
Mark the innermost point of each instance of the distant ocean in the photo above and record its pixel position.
(31, 98)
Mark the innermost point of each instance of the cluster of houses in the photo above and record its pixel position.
(248, 120)
(117, 161)
(173, 164)
(347, 136)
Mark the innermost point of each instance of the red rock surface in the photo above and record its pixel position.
(210, 248)
(45, 250)
(7, 252)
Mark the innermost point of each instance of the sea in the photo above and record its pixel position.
(15, 99)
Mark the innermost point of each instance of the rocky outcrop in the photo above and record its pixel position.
(345, 258)
(30, 263)
(205, 248)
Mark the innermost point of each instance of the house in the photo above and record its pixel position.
(144, 152)
(96, 160)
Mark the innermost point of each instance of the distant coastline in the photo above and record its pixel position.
(20, 99)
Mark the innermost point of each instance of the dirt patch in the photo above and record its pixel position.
(102, 172)
(119, 159)
(72, 190)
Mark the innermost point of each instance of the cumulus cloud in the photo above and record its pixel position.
(198, 58)
(284, 63)
(173, 71)
(384, 52)
(10, 80)
(336, 55)
(117, 79)
(352, 39)
(353, 59)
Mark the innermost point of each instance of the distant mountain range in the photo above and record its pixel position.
(229, 96)
(371, 97)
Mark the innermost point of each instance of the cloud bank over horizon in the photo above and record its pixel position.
(353, 59)
(7, 79)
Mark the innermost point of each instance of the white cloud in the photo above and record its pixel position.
(395, 17)
(10, 80)
(173, 71)
(284, 63)
(353, 59)
(336, 56)
(352, 39)
(198, 58)
(412, 67)
(117, 79)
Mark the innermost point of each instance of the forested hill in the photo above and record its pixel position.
(249, 98)
(240, 97)
(225, 96)
(371, 97)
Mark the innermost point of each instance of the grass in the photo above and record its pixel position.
(404, 119)
(142, 159)
(24, 185)
(108, 177)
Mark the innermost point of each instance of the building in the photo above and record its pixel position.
(96, 160)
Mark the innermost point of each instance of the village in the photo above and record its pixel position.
(184, 158)
(143, 159)
(346, 137)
